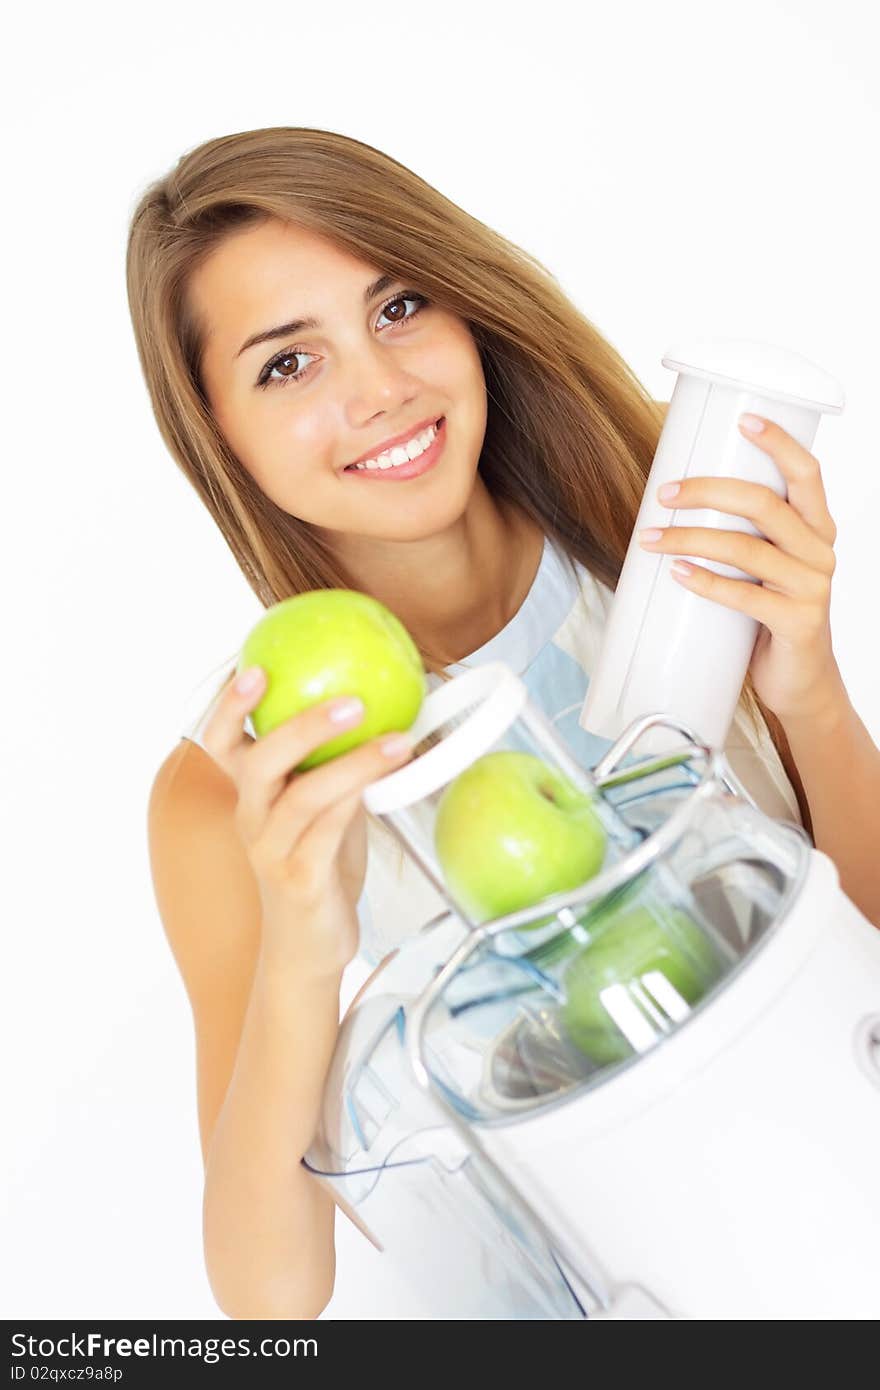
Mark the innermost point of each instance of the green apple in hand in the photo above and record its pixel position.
(329, 642)
(511, 830)
(631, 948)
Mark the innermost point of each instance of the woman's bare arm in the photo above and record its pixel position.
(264, 1039)
(268, 1223)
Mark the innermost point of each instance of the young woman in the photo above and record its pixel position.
(302, 302)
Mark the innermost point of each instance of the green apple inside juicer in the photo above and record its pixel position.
(497, 813)
(510, 830)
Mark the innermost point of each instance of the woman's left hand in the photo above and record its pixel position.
(793, 666)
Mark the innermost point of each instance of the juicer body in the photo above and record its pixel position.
(732, 1173)
(718, 1160)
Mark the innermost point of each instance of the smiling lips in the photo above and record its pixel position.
(405, 467)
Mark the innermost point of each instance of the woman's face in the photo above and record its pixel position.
(299, 406)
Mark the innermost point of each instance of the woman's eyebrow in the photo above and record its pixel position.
(287, 330)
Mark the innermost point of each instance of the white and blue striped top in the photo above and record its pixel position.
(552, 643)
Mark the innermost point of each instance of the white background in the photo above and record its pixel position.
(684, 169)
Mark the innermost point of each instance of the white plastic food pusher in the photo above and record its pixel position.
(666, 649)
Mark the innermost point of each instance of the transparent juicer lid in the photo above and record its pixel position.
(556, 993)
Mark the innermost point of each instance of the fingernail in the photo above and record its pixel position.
(650, 534)
(396, 744)
(752, 422)
(345, 709)
(249, 680)
(668, 490)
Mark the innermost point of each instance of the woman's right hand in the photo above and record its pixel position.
(295, 826)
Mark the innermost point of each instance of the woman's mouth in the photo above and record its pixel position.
(413, 468)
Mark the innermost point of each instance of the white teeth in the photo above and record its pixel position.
(403, 453)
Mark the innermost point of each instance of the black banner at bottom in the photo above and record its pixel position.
(132, 1353)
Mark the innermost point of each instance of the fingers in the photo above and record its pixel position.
(224, 736)
(311, 794)
(311, 863)
(293, 821)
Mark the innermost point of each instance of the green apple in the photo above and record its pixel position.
(630, 946)
(329, 642)
(511, 830)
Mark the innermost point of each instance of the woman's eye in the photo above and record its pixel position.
(267, 379)
(408, 297)
(280, 362)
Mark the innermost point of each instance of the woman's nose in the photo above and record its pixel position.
(377, 381)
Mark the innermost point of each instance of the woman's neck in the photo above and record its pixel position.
(494, 608)
(457, 589)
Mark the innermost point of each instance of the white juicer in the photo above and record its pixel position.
(651, 1090)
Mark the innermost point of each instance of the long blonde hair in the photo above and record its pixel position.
(571, 432)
